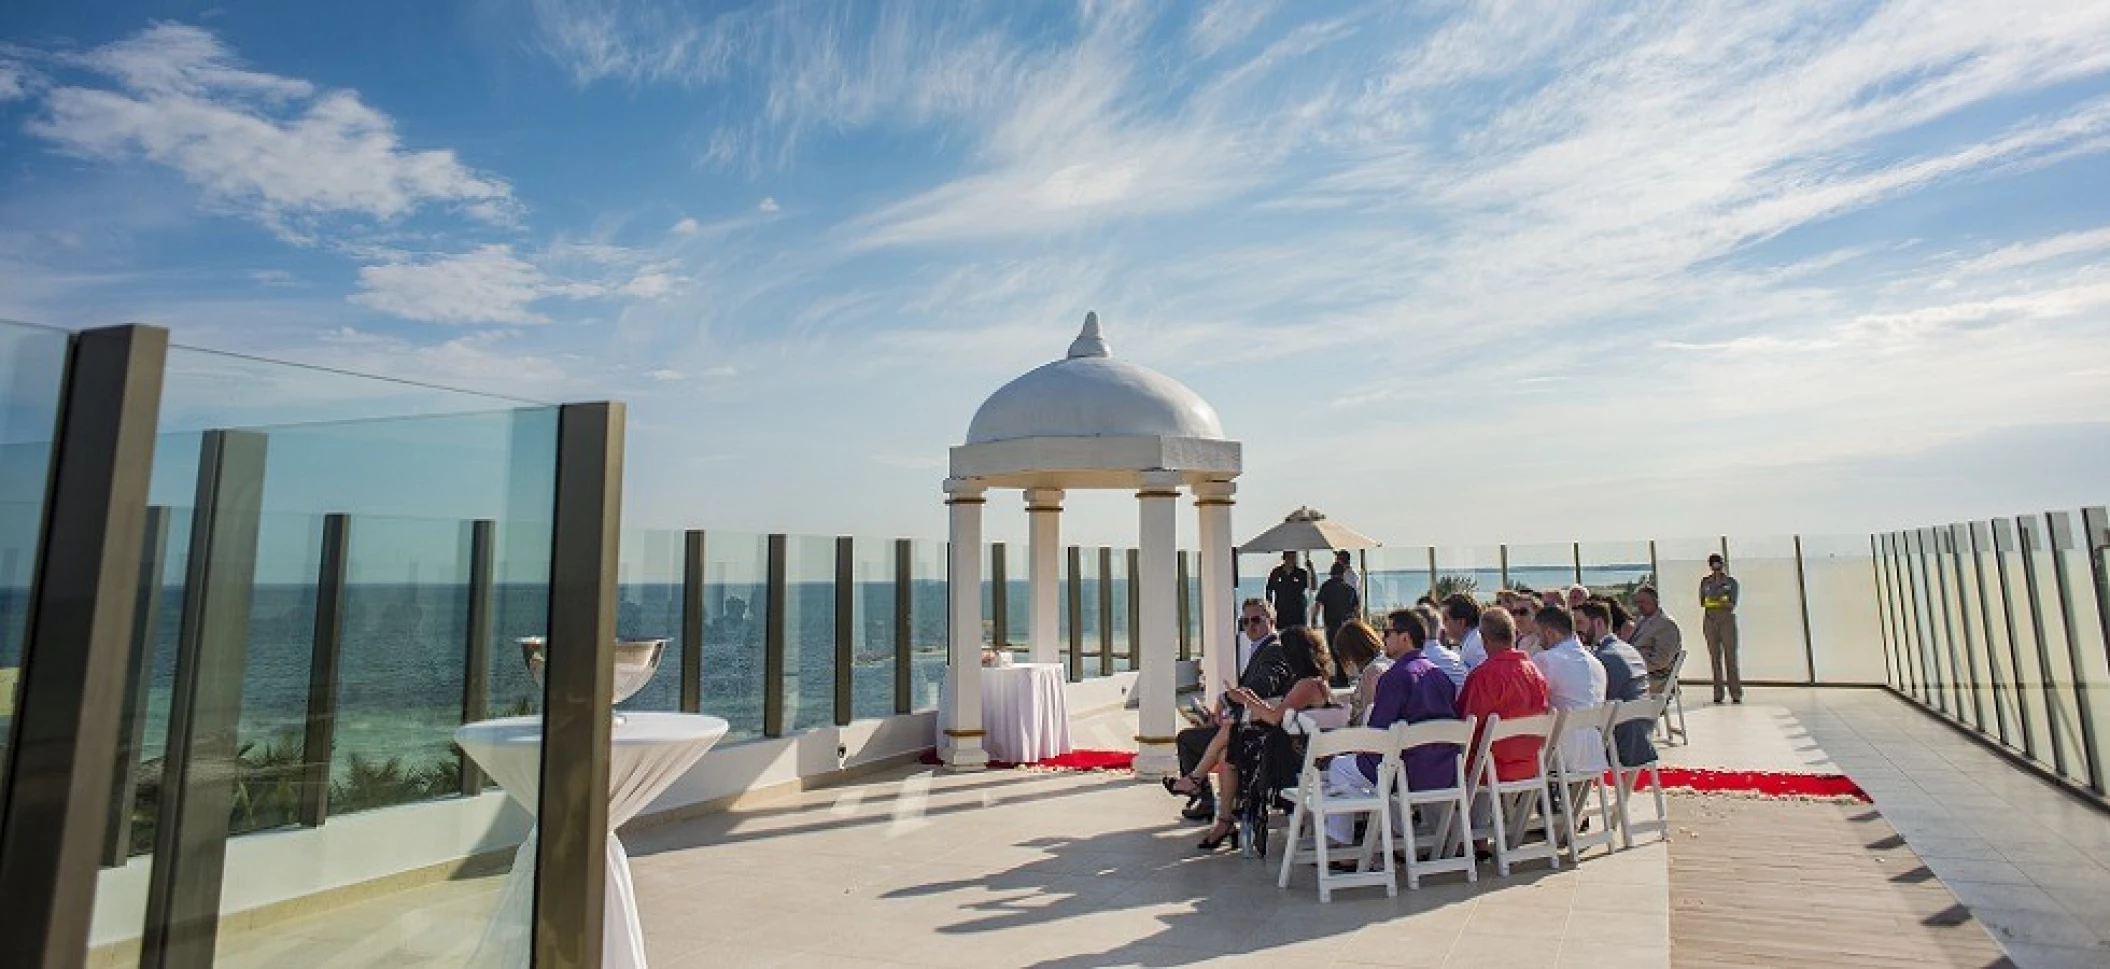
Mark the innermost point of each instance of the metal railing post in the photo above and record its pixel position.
(325, 649)
(904, 626)
(476, 645)
(692, 576)
(1106, 610)
(139, 668)
(1185, 607)
(1135, 609)
(571, 841)
(773, 639)
(81, 603)
(999, 605)
(205, 707)
(1576, 548)
(1502, 553)
(1802, 598)
(1076, 607)
(845, 627)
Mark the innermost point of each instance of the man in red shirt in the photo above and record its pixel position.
(1508, 685)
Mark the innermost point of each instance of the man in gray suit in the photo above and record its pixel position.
(1626, 678)
(1656, 637)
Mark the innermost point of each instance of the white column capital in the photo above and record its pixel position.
(1214, 492)
(1159, 484)
(964, 491)
(1043, 499)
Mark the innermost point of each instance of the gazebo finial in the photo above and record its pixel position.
(1089, 343)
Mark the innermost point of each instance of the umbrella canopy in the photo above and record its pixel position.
(1305, 530)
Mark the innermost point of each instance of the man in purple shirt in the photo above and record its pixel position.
(1413, 690)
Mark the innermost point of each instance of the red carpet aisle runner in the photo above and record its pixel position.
(1767, 785)
(1108, 760)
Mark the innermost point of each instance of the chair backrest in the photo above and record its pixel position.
(1677, 665)
(1457, 733)
(1598, 716)
(1349, 740)
(1540, 725)
(1645, 709)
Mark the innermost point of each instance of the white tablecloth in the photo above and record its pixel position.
(1024, 712)
(649, 751)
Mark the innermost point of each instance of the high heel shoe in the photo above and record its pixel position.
(1217, 838)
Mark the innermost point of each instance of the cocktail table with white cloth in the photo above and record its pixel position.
(648, 752)
(1024, 713)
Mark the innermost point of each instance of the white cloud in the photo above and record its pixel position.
(769, 205)
(485, 285)
(274, 148)
(1224, 22)
(274, 277)
(2024, 254)
(15, 81)
(686, 227)
(666, 375)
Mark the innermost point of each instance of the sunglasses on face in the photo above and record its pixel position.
(1520, 613)
(1253, 620)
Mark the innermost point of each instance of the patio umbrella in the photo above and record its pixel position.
(1305, 530)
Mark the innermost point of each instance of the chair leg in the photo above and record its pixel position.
(1464, 821)
(1384, 831)
(1655, 783)
(1501, 839)
(1289, 850)
(1620, 795)
(1546, 806)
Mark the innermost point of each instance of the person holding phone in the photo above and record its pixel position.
(1201, 748)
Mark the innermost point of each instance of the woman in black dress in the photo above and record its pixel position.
(1259, 750)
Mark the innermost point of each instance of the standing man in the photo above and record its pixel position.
(1656, 637)
(1718, 592)
(1338, 601)
(1342, 559)
(1287, 586)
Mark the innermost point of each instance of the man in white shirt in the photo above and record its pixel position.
(1461, 625)
(1576, 680)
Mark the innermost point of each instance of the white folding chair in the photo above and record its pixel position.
(1673, 697)
(1577, 781)
(1451, 808)
(1625, 777)
(1315, 801)
(1512, 803)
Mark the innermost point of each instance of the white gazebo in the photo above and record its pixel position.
(1092, 421)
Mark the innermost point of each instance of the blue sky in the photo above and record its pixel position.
(1454, 272)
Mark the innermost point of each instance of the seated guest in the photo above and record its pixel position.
(1626, 678)
(1201, 748)
(1358, 651)
(1524, 611)
(1577, 595)
(1461, 627)
(1257, 747)
(1622, 620)
(1510, 686)
(1656, 637)
(1577, 680)
(1553, 597)
(1412, 691)
(1445, 658)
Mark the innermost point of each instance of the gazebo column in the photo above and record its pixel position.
(1219, 606)
(1044, 521)
(961, 741)
(1156, 586)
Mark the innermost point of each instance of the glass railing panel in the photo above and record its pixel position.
(1616, 569)
(410, 468)
(930, 626)
(1947, 679)
(988, 591)
(1018, 597)
(399, 688)
(2093, 668)
(32, 370)
(1088, 600)
(1983, 706)
(872, 635)
(735, 612)
(2058, 671)
(1768, 609)
(1397, 578)
(1846, 614)
(1983, 563)
(1536, 566)
(2028, 659)
(648, 586)
(1475, 570)
(809, 632)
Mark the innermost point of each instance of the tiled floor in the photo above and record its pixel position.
(1054, 869)
(2025, 859)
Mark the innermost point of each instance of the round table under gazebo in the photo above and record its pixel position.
(1092, 421)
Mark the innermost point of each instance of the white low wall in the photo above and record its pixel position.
(272, 867)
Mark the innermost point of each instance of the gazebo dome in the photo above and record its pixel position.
(1091, 394)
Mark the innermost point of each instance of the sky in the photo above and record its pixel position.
(1452, 272)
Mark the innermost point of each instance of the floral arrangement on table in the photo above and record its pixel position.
(993, 658)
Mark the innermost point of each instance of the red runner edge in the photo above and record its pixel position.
(1763, 782)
